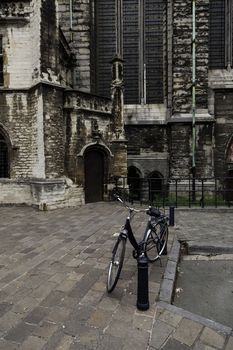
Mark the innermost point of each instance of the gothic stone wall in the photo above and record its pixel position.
(78, 37)
(54, 131)
(182, 55)
(180, 141)
(223, 128)
(148, 148)
(19, 28)
(19, 117)
(88, 122)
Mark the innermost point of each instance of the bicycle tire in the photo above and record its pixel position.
(116, 264)
(156, 242)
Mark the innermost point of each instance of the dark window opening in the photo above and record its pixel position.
(134, 183)
(220, 34)
(155, 181)
(142, 42)
(4, 158)
(1, 62)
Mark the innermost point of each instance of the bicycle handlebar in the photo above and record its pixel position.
(131, 209)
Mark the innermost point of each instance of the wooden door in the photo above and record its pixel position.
(94, 176)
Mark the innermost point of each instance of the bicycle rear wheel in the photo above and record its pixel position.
(156, 242)
(116, 264)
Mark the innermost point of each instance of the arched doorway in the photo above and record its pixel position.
(229, 179)
(4, 157)
(94, 165)
(155, 181)
(134, 183)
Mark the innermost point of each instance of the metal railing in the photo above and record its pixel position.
(178, 192)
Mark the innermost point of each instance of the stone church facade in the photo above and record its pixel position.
(62, 111)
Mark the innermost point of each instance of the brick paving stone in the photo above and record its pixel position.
(110, 342)
(170, 318)
(200, 346)
(161, 332)
(92, 297)
(6, 345)
(32, 342)
(4, 307)
(89, 337)
(187, 331)
(54, 341)
(46, 329)
(100, 318)
(66, 285)
(136, 339)
(142, 322)
(229, 344)
(57, 314)
(37, 315)
(53, 299)
(212, 338)
(20, 332)
(173, 344)
(124, 313)
(25, 305)
(9, 320)
(109, 304)
(65, 343)
(77, 320)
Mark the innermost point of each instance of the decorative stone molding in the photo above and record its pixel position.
(10, 10)
(87, 102)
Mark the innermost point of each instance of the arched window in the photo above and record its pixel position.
(134, 182)
(220, 34)
(4, 157)
(155, 181)
(140, 33)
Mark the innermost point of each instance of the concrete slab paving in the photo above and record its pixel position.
(206, 288)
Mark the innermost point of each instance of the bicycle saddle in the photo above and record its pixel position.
(154, 212)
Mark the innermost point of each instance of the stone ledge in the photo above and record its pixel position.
(168, 283)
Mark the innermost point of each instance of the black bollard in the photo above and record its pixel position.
(171, 216)
(143, 289)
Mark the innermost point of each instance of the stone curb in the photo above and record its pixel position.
(168, 282)
(206, 209)
(206, 247)
(167, 290)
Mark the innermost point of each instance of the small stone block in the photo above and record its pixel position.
(187, 331)
(213, 338)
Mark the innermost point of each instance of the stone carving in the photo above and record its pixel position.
(14, 9)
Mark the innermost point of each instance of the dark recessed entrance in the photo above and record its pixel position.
(4, 162)
(229, 189)
(94, 175)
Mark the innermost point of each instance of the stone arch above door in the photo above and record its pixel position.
(96, 170)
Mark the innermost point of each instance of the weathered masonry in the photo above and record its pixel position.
(58, 146)
(65, 134)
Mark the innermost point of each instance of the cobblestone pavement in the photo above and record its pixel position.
(52, 281)
(52, 287)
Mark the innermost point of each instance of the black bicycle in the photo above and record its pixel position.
(153, 245)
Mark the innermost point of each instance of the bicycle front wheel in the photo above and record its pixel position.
(156, 242)
(116, 264)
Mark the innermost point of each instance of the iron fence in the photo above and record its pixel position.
(177, 192)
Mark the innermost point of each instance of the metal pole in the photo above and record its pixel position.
(71, 20)
(193, 96)
(143, 284)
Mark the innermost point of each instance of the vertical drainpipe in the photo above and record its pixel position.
(71, 20)
(193, 86)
